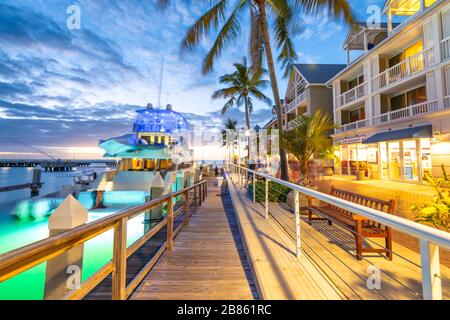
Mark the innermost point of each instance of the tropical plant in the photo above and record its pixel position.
(230, 125)
(309, 138)
(282, 14)
(437, 211)
(242, 86)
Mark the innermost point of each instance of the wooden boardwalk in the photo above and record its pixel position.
(208, 260)
(278, 273)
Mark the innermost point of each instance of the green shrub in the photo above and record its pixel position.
(277, 192)
(437, 211)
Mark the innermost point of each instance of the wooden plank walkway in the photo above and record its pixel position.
(333, 250)
(278, 273)
(208, 260)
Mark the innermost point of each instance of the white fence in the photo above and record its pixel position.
(352, 95)
(430, 238)
(445, 45)
(404, 69)
(293, 104)
(408, 112)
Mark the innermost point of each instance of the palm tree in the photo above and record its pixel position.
(309, 138)
(242, 86)
(282, 13)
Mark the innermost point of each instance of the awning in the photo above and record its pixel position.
(409, 133)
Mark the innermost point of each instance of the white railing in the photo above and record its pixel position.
(408, 112)
(445, 45)
(354, 125)
(404, 69)
(430, 238)
(352, 95)
(294, 103)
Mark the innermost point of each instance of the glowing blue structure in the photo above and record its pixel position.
(151, 137)
(159, 120)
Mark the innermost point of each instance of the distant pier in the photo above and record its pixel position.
(55, 165)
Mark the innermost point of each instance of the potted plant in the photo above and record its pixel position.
(308, 140)
(360, 171)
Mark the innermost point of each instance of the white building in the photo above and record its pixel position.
(393, 102)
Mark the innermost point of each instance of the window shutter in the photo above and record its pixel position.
(431, 86)
(446, 23)
(447, 80)
(428, 35)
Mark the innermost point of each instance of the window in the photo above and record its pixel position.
(398, 102)
(409, 98)
(413, 50)
(446, 24)
(396, 60)
(416, 96)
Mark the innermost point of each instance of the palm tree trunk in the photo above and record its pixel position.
(247, 120)
(273, 79)
(247, 114)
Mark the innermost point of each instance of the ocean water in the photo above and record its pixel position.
(15, 233)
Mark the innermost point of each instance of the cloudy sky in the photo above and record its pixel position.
(62, 90)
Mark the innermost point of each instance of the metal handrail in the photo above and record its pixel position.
(430, 238)
(19, 260)
(418, 230)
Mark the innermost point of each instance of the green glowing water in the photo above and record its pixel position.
(30, 284)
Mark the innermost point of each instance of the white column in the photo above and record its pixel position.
(431, 273)
(266, 202)
(422, 5)
(389, 22)
(297, 223)
(366, 41)
(348, 55)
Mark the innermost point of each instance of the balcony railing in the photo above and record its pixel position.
(445, 45)
(408, 112)
(404, 69)
(294, 103)
(352, 95)
(354, 125)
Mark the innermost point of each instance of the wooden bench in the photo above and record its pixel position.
(360, 226)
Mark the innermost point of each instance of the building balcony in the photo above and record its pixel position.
(408, 112)
(351, 96)
(403, 114)
(353, 126)
(445, 45)
(405, 69)
(296, 102)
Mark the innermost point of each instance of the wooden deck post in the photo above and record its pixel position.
(298, 247)
(186, 207)
(119, 275)
(254, 188)
(170, 224)
(200, 194)
(267, 198)
(431, 272)
(70, 214)
(195, 195)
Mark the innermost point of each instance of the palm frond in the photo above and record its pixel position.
(287, 56)
(336, 9)
(228, 105)
(225, 93)
(211, 19)
(227, 34)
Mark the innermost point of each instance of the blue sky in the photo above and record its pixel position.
(62, 90)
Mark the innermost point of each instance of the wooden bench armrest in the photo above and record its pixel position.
(360, 218)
